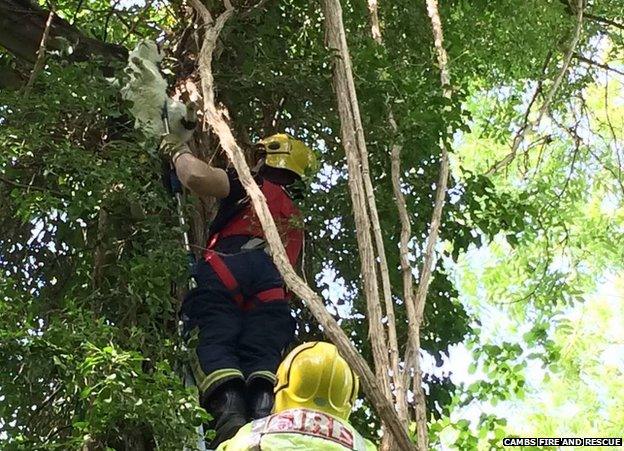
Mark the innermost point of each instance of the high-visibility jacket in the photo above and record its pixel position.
(285, 213)
(298, 429)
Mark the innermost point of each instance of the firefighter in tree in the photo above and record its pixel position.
(314, 396)
(239, 314)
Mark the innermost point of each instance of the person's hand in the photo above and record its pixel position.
(172, 144)
(182, 119)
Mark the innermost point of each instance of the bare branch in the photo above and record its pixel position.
(572, 132)
(40, 55)
(412, 355)
(519, 139)
(360, 185)
(591, 62)
(206, 16)
(536, 94)
(215, 118)
(374, 20)
(133, 25)
(393, 346)
(605, 21)
(406, 268)
(30, 187)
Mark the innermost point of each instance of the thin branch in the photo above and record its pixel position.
(536, 94)
(40, 55)
(605, 21)
(132, 27)
(252, 9)
(572, 133)
(577, 145)
(393, 346)
(551, 94)
(216, 119)
(40, 407)
(592, 62)
(109, 14)
(374, 21)
(76, 11)
(30, 187)
(412, 355)
(100, 251)
(406, 268)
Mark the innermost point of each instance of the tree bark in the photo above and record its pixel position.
(406, 268)
(360, 187)
(374, 21)
(412, 355)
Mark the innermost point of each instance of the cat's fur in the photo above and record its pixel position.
(146, 89)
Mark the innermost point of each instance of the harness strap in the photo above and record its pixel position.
(272, 294)
(225, 275)
(231, 284)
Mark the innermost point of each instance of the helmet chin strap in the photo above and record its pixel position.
(258, 165)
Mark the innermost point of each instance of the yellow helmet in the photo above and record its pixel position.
(316, 377)
(285, 152)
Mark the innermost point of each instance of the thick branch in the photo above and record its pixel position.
(215, 118)
(360, 185)
(23, 23)
(519, 139)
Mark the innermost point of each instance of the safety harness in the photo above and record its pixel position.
(246, 223)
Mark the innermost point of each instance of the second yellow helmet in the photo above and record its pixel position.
(285, 152)
(315, 376)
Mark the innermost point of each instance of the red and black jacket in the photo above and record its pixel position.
(236, 216)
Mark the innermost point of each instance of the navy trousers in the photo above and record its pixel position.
(232, 340)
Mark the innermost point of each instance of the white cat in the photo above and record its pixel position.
(146, 89)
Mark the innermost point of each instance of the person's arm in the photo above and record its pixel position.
(201, 178)
(196, 175)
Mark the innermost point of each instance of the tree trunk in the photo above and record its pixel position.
(23, 23)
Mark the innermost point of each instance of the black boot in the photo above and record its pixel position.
(227, 406)
(260, 398)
